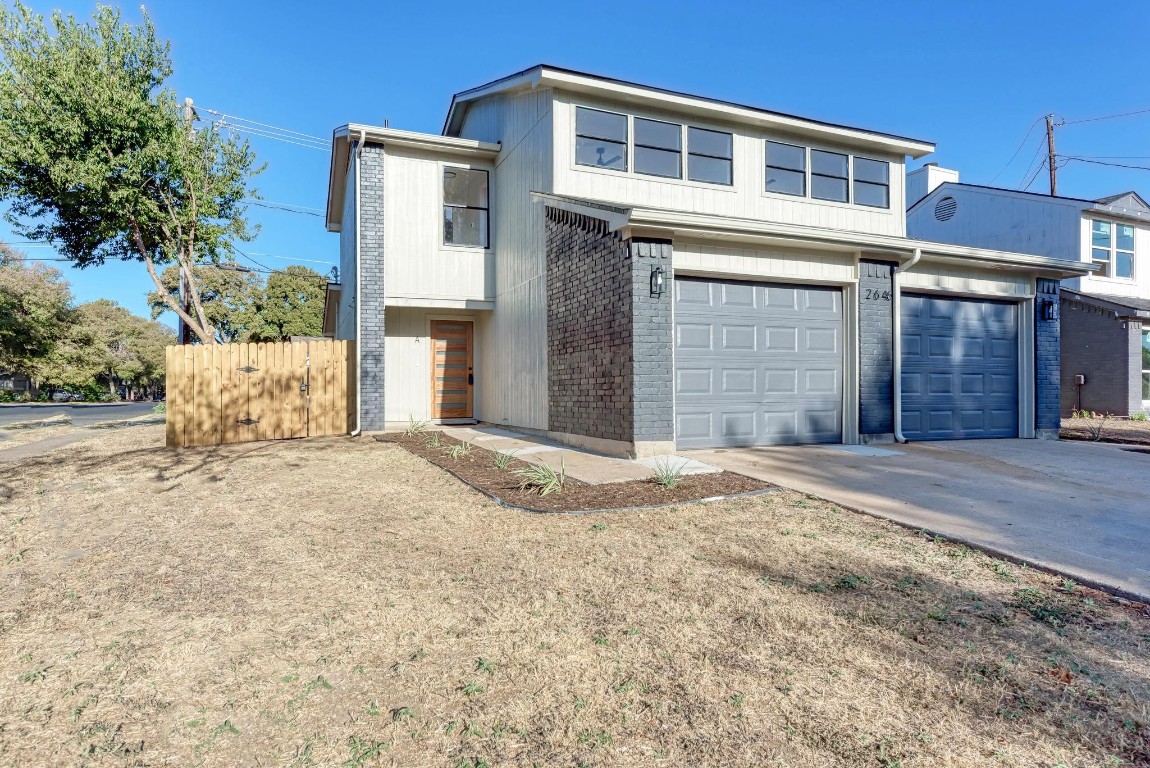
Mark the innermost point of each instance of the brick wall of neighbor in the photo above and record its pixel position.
(876, 348)
(1095, 342)
(1047, 354)
(653, 343)
(609, 345)
(589, 330)
(370, 292)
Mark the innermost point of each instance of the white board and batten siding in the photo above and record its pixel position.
(746, 198)
(734, 262)
(418, 267)
(407, 360)
(513, 338)
(967, 281)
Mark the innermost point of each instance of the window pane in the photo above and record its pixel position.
(1098, 254)
(465, 187)
(786, 156)
(1146, 386)
(601, 154)
(1125, 239)
(601, 125)
(1146, 350)
(1100, 234)
(704, 142)
(464, 226)
(829, 164)
(657, 162)
(876, 195)
(653, 133)
(824, 188)
(709, 169)
(1124, 264)
(786, 182)
(872, 170)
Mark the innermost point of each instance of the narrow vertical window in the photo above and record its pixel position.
(1100, 235)
(872, 183)
(829, 173)
(786, 169)
(658, 148)
(465, 207)
(1124, 251)
(600, 139)
(709, 156)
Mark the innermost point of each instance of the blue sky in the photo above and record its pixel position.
(971, 77)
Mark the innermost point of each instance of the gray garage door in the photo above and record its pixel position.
(959, 368)
(757, 364)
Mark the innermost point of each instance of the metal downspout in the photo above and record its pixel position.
(358, 289)
(898, 436)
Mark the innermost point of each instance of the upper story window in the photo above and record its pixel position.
(829, 174)
(786, 169)
(658, 148)
(709, 155)
(600, 139)
(1112, 248)
(465, 207)
(872, 183)
(791, 169)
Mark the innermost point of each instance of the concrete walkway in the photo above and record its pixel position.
(40, 447)
(592, 468)
(1082, 509)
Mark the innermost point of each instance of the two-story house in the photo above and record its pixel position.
(1105, 315)
(635, 270)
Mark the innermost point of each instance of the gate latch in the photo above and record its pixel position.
(303, 385)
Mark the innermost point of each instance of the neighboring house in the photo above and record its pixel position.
(16, 382)
(1105, 316)
(632, 270)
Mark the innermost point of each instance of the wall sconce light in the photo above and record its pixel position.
(658, 281)
(1048, 310)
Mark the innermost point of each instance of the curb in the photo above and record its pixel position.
(574, 512)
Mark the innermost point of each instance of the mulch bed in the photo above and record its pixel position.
(1121, 431)
(477, 467)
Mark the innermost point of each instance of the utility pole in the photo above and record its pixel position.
(1050, 155)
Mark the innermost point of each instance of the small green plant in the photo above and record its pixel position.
(1042, 607)
(503, 460)
(160, 408)
(667, 474)
(485, 665)
(415, 427)
(542, 479)
(600, 526)
(850, 581)
(459, 450)
(433, 441)
(1094, 422)
(737, 700)
(402, 713)
(472, 689)
(1139, 416)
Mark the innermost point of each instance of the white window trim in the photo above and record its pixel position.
(850, 204)
(1113, 251)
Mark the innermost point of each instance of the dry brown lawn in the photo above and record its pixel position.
(12, 438)
(342, 602)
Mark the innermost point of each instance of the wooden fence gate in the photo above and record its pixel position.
(236, 393)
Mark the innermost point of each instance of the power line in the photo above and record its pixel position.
(256, 132)
(286, 205)
(1100, 162)
(264, 125)
(1037, 171)
(277, 207)
(1105, 117)
(1037, 151)
(1021, 144)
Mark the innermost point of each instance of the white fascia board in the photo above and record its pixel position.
(902, 247)
(730, 112)
(1117, 213)
(341, 144)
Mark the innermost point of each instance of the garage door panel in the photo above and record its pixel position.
(775, 367)
(967, 384)
(692, 292)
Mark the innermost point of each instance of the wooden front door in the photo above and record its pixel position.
(452, 369)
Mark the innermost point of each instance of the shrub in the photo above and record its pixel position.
(667, 474)
(503, 460)
(415, 427)
(542, 479)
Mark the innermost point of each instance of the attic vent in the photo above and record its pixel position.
(945, 208)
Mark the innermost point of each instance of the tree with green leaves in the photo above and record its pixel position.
(292, 305)
(229, 295)
(97, 158)
(35, 308)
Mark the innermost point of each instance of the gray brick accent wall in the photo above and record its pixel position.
(1107, 349)
(609, 341)
(1047, 357)
(369, 294)
(589, 329)
(652, 343)
(876, 347)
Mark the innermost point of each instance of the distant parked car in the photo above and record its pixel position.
(64, 396)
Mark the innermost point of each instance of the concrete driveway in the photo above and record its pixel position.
(1079, 508)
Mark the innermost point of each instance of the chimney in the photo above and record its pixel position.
(922, 182)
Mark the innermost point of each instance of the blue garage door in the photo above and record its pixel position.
(959, 368)
(757, 364)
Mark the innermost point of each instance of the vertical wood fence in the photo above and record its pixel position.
(236, 393)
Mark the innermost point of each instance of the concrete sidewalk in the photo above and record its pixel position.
(1082, 509)
(592, 468)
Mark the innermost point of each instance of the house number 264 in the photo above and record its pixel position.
(872, 295)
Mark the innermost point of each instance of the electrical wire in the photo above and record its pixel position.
(1035, 176)
(1075, 158)
(254, 132)
(287, 209)
(1106, 117)
(1021, 144)
(224, 115)
(1033, 157)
